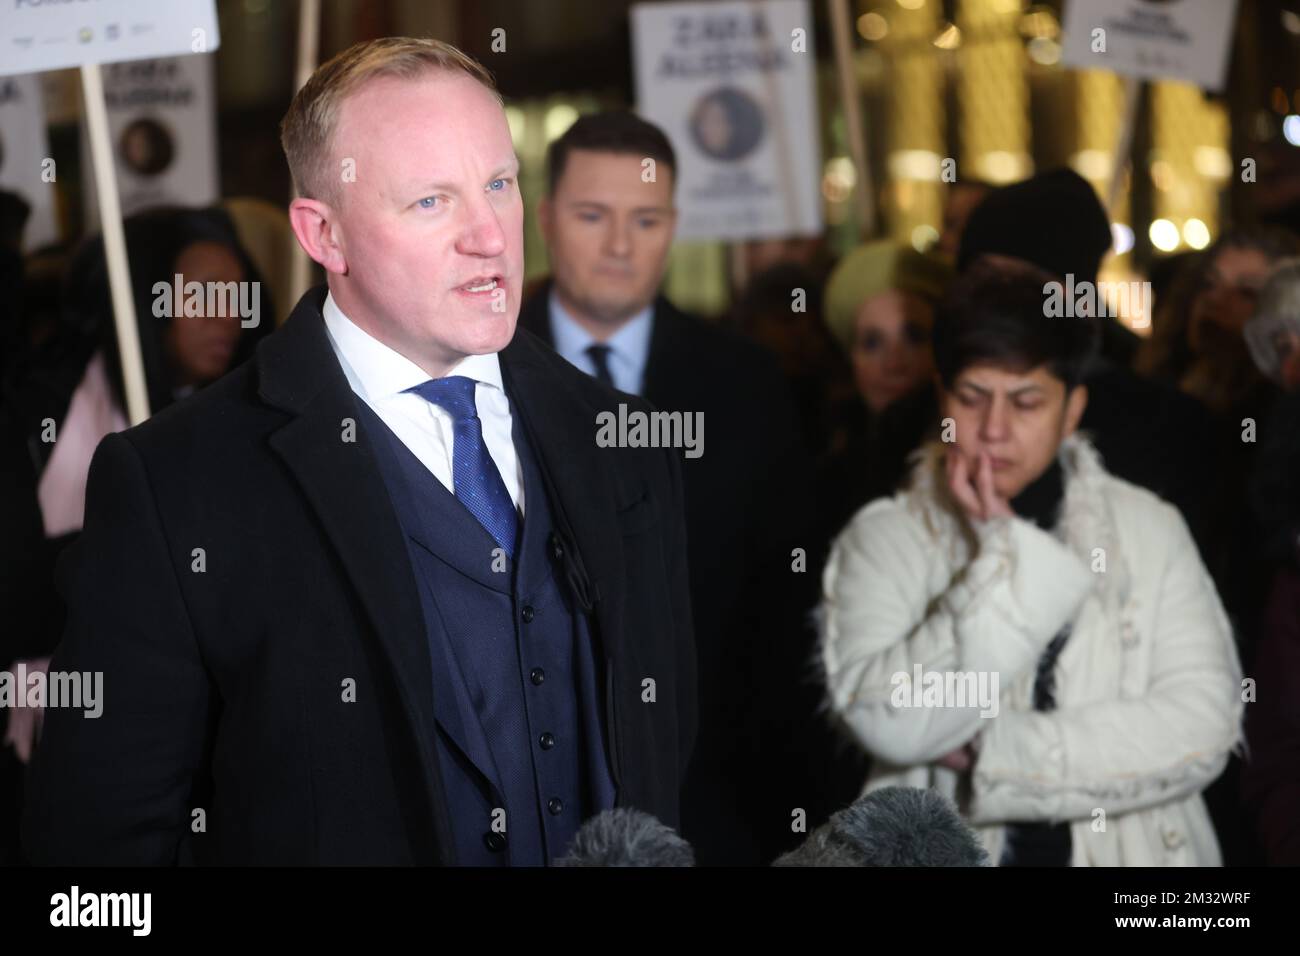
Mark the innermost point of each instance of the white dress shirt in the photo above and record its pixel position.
(380, 376)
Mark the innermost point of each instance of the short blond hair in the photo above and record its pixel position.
(307, 129)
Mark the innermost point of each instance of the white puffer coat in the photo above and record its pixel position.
(1148, 686)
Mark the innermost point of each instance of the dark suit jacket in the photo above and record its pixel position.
(747, 508)
(224, 688)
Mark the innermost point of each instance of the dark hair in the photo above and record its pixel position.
(1167, 354)
(996, 314)
(610, 132)
(1273, 241)
(769, 293)
(155, 239)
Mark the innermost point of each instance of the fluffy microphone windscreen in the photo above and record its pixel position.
(627, 837)
(892, 826)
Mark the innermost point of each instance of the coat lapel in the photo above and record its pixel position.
(666, 359)
(562, 430)
(440, 523)
(422, 505)
(299, 373)
(535, 314)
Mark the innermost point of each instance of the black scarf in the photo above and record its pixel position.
(1040, 500)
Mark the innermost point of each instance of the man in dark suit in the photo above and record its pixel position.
(377, 596)
(608, 220)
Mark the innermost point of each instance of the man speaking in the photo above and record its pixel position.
(377, 596)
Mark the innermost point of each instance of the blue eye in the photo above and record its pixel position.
(427, 202)
(493, 185)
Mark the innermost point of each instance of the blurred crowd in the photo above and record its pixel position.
(821, 388)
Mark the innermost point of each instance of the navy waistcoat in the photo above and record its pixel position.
(516, 674)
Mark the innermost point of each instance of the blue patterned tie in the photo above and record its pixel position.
(478, 483)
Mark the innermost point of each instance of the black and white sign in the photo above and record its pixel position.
(37, 35)
(162, 123)
(731, 83)
(1184, 40)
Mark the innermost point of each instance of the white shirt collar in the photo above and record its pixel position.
(375, 371)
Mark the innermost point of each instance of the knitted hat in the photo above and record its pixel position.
(1053, 220)
(874, 268)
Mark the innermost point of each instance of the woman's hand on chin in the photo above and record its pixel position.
(975, 493)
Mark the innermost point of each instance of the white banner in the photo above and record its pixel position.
(1184, 40)
(38, 35)
(732, 85)
(162, 123)
(26, 166)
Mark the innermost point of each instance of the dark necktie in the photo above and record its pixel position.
(599, 355)
(478, 483)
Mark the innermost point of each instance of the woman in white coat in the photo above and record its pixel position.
(1023, 631)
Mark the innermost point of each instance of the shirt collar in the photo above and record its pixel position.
(631, 341)
(376, 371)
